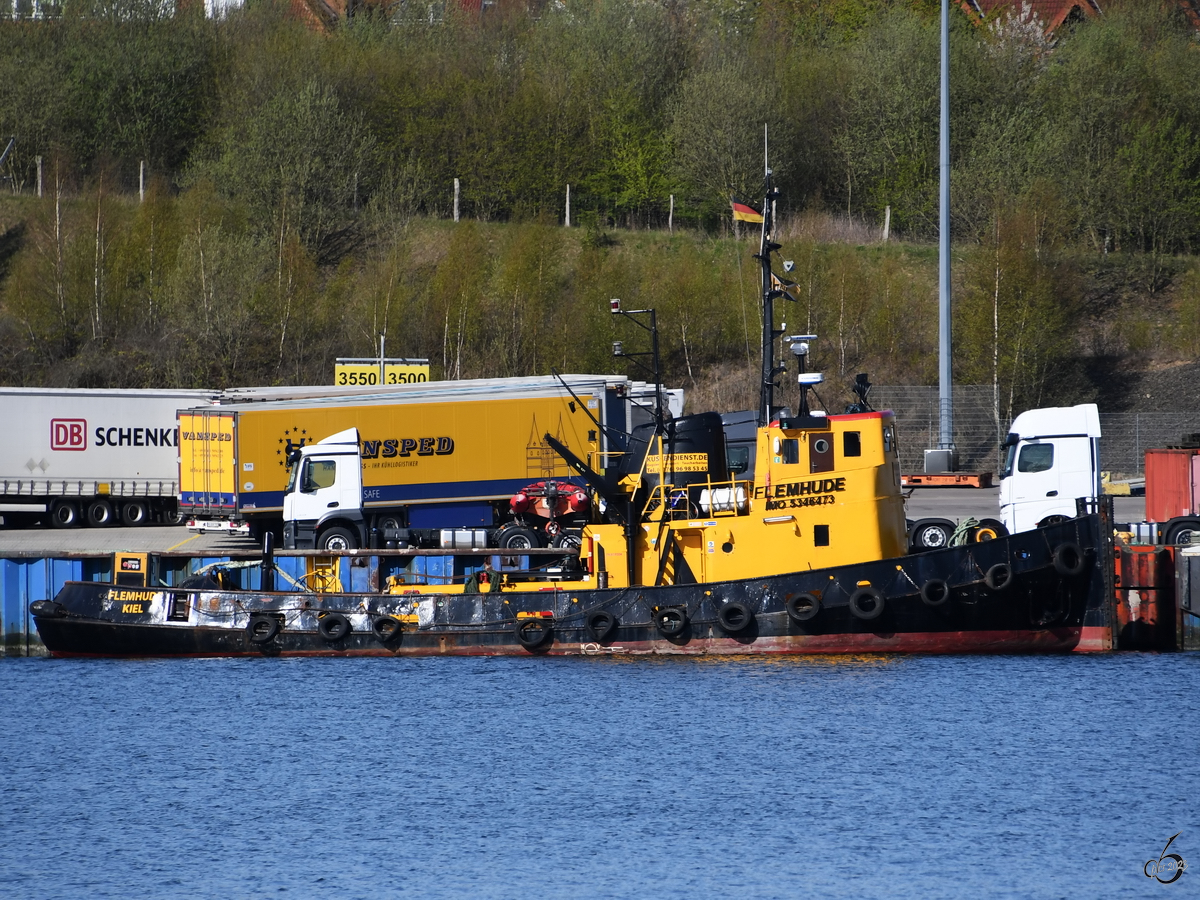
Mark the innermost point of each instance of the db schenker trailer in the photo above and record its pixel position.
(75, 456)
(98, 457)
(435, 457)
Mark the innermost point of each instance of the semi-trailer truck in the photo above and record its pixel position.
(76, 456)
(434, 457)
(1052, 461)
(93, 457)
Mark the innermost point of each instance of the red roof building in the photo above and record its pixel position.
(1053, 13)
(1056, 13)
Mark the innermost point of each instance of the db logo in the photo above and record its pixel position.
(68, 434)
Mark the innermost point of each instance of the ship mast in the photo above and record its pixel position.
(766, 402)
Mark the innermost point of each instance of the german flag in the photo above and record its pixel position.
(744, 213)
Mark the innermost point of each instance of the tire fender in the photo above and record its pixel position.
(735, 617)
(600, 625)
(998, 577)
(1068, 559)
(333, 626)
(866, 603)
(386, 628)
(671, 621)
(532, 633)
(803, 607)
(935, 592)
(262, 629)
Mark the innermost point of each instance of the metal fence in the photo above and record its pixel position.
(1126, 436)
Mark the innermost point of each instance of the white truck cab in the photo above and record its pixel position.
(1052, 458)
(324, 494)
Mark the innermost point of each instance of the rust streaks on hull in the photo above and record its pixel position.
(233, 644)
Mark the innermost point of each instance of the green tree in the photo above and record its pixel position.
(299, 165)
(717, 129)
(1015, 317)
(887, 140)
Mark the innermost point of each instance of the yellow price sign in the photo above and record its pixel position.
(367, 375)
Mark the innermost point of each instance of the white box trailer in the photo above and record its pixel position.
(92, 456)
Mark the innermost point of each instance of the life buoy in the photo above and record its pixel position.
(1068, 558)
(333, 626)
(998, 577)
(866, 603)
(671, 621)
(735, 617)
(532, 633)
(262, 629)
(935, 592)
(601, 625)
(803, 607)
(386, 628)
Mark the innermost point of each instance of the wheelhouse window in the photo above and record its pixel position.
(851, 443)
(790, 451)
(738, 459)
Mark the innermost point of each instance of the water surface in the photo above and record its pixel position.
(599, 778)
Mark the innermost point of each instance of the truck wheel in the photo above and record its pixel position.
(99, 513)
(1182, 532)
(518, 539)
(337, 539)
(567, 540)
(989, 530)
(930, 534)
(173, 515)
(134, 513)
(64, 514)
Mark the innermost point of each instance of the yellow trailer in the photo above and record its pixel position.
(434, 456)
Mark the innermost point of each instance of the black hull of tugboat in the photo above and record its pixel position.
(1036, 592)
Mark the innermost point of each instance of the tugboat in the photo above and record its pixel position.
(669, 552)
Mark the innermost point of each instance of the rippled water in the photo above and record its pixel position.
(507, 778)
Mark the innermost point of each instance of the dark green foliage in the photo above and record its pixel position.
(107, 88)
(300, 186)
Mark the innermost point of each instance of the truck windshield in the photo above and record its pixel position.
(293, 475)
(1010, 455)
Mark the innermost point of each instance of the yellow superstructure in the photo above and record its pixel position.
(821, 497)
